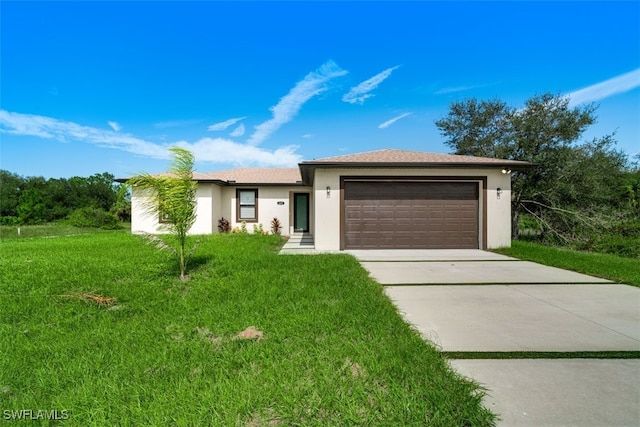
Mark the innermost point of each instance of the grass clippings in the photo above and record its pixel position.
(93, 298)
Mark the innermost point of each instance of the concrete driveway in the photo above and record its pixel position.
(482, 303)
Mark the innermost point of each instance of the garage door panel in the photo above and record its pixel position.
(411, 215)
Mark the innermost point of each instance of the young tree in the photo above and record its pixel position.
(545, 132)
(31, 208)
(173, 197)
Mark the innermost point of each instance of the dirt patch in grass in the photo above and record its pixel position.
(353, 368)
(251, 333)
(267, 418)
(208, 335)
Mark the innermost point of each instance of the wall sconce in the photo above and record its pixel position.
(506, 171)
(328, 191)
(498, 192)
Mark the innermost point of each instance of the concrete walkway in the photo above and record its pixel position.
(475, 301)
(299, 244)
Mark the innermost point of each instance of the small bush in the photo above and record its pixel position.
(276, 226)
(224, 226)
(258, 229)
(628, 247)
(93, 218)
(628, 228)
(9, 220)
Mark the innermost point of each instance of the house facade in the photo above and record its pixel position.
(386, 199)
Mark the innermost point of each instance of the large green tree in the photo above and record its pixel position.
(10, 187)
(571, 177)
(172, 196)
(59, 197)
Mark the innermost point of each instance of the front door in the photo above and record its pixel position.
(301, 212)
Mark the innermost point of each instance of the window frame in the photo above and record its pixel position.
(163, 218)
(239, 205)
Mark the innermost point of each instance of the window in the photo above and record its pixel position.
(247, 205)
(164, 217)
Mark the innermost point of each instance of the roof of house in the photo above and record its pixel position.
(253, 176)
(409, 157)
(303, 175)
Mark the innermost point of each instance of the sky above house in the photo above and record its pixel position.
(92, 87)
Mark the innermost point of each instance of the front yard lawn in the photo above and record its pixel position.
(612, 267)
(100, 326)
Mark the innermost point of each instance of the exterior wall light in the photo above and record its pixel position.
(498, 192)
(328, 191)
(506, 171)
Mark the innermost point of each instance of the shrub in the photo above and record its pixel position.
(258, 229)
(628, 247)
(9, 220)
(223, 225)
(276, 226)
(93, 218)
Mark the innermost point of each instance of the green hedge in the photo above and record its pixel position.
(93, 218)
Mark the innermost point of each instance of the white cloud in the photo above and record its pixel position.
(239, 131)
(285, 110)
(115, 126)
(359, 93)
(205, 150)
(392, 121)
(225, 124)
(619, 84)
(454, 89)
(177, 123)
(308, 135)
(49, 128)
(220, 150)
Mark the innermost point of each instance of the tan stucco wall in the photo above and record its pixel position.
(327, 207)
(142, 221)
(268, 207)
(214, 202)
(207, 197)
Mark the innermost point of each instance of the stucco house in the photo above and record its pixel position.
(392, 199)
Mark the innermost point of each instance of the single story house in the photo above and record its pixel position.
(391, 199)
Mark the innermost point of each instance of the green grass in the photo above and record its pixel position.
(334, 352)
(612, 267)
(50, 229)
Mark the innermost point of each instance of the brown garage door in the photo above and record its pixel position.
(410, 215)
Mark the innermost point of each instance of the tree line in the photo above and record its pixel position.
(89, 201)
(582, 193)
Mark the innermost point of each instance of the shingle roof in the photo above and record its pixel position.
(253, 176)
(380, 158)
(404, 157)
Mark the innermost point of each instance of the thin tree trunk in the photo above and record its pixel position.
(515, 222)
(182, 263)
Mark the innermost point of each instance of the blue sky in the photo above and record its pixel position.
(91, 87)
